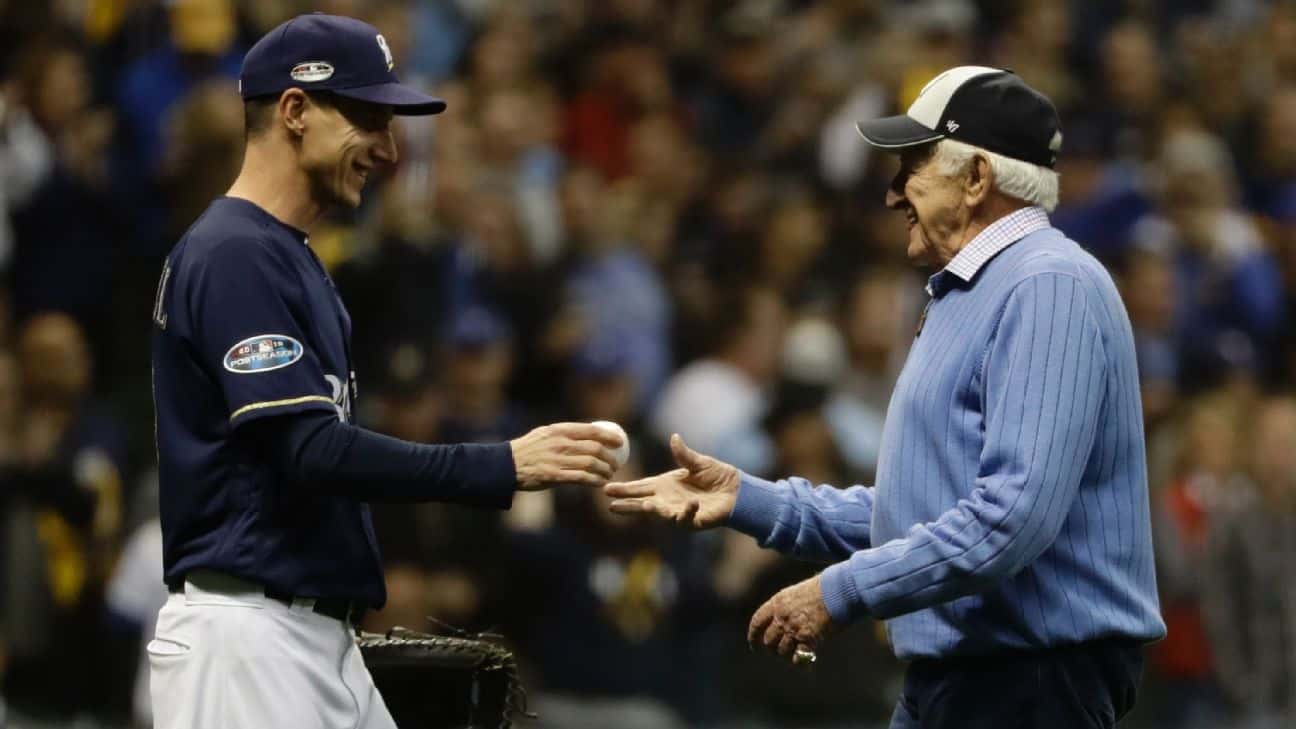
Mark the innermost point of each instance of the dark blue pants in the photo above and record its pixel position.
(1086, 686)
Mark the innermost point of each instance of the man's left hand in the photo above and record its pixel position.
(795, 616)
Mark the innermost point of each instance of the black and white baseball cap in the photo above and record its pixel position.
(319, 52)
(986, 107)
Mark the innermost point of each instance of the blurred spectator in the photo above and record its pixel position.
(202, 44)
(1133, 86)
(794, 240)
(26, 160)
(622, 80)
(1228, 308)
(601, 386)
(203, 151)
(1035, 41)
(439, 557)
(1149, 292)
(64, 477)
(1208, 49)
(1272, 163)
(878, 315)
(938, 34)
(518, 128)
(397, 292)
(802, 437)
(503, 56)
(1251, 576)
(1102, 196)
(738, 98)
(134, 596)
(717, 402)
(640, 600)
(1185, 511)
(479, 364)
(64, 261)
(613, 289)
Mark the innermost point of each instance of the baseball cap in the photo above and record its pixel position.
(986, 107)
(319, 52)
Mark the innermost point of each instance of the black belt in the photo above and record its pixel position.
(338, 608)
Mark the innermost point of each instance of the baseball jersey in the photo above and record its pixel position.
(247, 325)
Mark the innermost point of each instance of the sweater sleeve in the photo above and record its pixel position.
(815, 523)
(316, 448)
(1044, 384)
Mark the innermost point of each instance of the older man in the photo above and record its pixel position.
(1007, 541)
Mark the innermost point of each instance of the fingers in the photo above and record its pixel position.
(579, 478)
(632, 506)
(589, 464)
(631, 489)
(689, 515)
(773, 634)
(686, 457)
(787, 643)
(761, 619)
(587, 431)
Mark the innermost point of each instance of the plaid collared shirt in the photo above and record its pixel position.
(997, 236)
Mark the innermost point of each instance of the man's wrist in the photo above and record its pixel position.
(756, 506)
(840, 595)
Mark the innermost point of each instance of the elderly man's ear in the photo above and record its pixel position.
(977, 186)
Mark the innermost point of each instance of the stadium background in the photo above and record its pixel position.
(657, 213)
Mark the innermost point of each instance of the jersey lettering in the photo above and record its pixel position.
(159, 306)
(341, 397)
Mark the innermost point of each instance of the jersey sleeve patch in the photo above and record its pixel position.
(263, 353)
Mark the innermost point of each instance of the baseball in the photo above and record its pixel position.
(621, 454)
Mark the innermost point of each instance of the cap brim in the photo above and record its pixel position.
(896, 132)
(402, 99)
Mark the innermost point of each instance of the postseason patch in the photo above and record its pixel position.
(263, 353)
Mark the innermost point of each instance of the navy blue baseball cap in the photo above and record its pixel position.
(345, 56)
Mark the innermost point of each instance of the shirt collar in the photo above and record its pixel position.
(997, 236)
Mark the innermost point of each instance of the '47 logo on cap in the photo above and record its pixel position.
(382, 43)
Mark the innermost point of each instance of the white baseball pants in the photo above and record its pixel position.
(226, 656)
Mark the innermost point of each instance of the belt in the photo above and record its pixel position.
(338, 608)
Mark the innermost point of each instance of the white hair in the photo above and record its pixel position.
(1030, 183)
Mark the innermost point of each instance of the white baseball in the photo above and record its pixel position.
(621, 454)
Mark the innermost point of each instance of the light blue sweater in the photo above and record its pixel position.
(1011, 504)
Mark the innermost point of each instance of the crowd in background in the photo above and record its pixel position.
(656, 212)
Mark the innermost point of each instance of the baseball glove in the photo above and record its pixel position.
(444, 682)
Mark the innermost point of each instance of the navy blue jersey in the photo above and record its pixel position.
(248, 325)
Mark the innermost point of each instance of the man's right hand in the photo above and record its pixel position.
(700, 494)
(564, 453)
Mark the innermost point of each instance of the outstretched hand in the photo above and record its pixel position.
(700, 494)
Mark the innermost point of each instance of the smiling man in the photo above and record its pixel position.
(268, 546)
(1007, 541)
